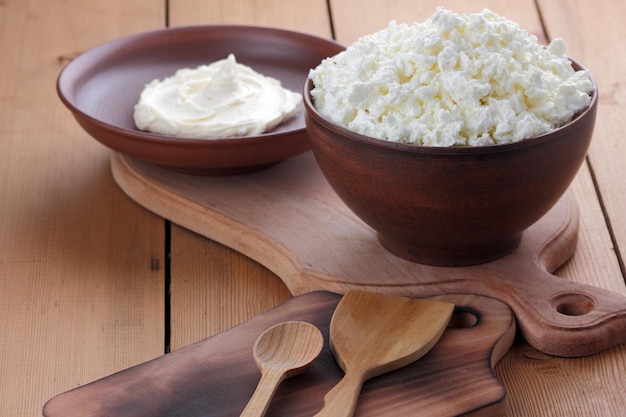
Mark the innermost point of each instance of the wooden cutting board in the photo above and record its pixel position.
(217, 376)
(288, 219)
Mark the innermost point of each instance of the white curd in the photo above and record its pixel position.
(454, 79)
(220, 100)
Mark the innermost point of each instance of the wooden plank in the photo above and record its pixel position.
(82, 266)
(309, 16)
(592, 31)
(227, 288)
(543, 385)
(214, 288)
(376, 15)
(594, 261)
(593, 385)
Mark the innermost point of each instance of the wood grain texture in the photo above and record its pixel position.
(213, 295)
(563, 386)
(309, 16)
(82, 272)
(216, 376)
(590, 30)
(283, 351)
(77, 299)
(595, 261)
(290, 220)
(348, 28)
(214, 288)
(372, 334)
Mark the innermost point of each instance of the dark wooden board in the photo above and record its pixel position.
(216, 376)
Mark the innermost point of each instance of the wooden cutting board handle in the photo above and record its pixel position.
(288, 219)
(569, 319)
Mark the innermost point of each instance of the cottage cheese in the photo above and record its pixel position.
(220, 100)
(454, 79)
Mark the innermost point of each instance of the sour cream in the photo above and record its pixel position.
(223, 99)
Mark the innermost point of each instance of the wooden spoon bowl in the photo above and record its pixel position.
(372, 334)
(282, 351)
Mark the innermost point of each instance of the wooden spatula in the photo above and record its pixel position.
(371, 334)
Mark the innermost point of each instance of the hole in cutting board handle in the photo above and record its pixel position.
(463, 318)
(573, 304)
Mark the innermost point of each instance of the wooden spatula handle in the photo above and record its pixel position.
(341, 400)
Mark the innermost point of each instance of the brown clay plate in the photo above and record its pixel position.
(102, 85)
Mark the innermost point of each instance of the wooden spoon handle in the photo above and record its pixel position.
(265, 390)
(341, 400)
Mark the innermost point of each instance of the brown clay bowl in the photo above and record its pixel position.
(449, 206)
(102, 85)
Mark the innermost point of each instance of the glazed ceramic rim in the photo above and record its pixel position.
(148, 137)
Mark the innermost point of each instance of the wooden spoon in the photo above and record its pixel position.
(371, 334)
(282, 351)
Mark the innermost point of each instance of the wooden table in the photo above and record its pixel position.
(93, 283)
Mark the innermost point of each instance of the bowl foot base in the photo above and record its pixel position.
(451, 256)
(219, 172)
